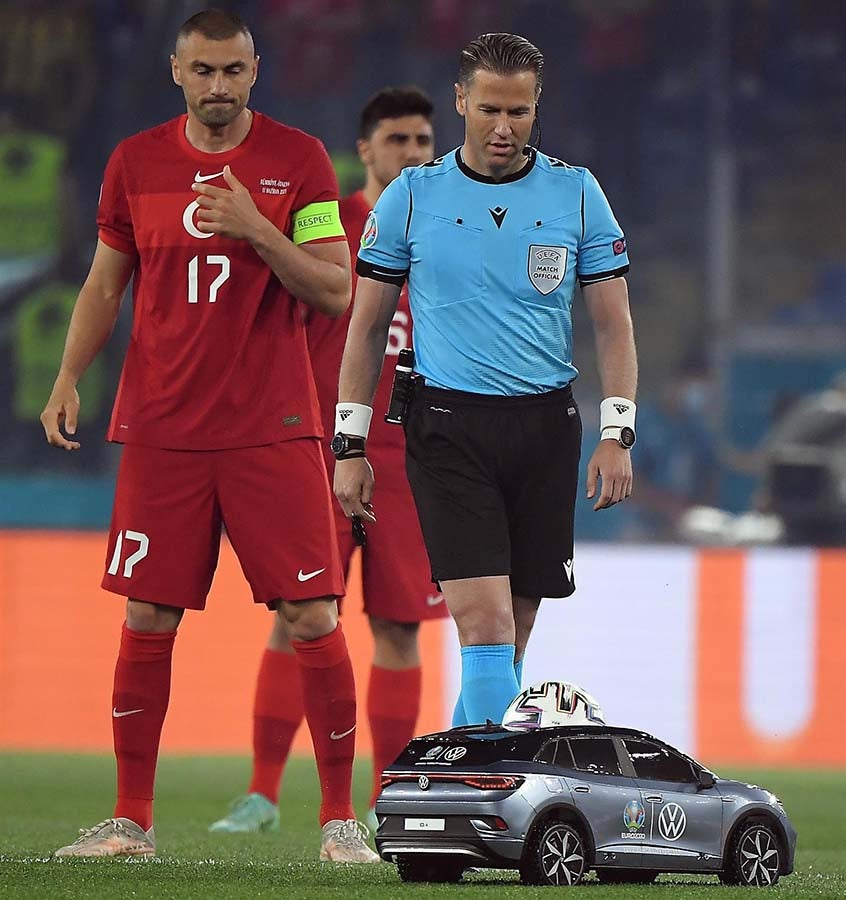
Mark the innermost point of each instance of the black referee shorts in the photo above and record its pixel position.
(494, 481)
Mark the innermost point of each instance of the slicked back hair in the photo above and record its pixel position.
(393, 103)
(216, 25)
(502, 54)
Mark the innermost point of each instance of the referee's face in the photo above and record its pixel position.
(498, 111)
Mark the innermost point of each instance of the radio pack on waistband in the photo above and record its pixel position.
(402, 388)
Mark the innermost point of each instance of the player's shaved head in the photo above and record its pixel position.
(215, 25)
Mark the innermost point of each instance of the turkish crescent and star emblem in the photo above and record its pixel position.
(546, 267)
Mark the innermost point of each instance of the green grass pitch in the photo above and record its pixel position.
(45, 798)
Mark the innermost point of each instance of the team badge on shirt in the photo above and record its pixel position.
(547, 267)
(371, 231)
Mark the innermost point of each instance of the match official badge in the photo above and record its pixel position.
(371, 231)
(547, 267)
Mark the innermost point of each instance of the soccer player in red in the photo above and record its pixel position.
(395, 131)
(222, 217)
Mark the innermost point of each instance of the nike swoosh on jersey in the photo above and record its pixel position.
(301, 576)
(125, 712)
(434, 599)
(199, 177)
(337, 737)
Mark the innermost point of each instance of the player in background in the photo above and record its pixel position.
(222, 216)
(395, 131)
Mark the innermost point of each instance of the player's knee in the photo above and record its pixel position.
(152, 618)
(399, 639)
(308, 620)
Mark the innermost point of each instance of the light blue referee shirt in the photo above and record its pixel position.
(492, 268)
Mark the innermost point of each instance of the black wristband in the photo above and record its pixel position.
(348, 446)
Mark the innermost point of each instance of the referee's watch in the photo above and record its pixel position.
(347, 446)
(624, 436)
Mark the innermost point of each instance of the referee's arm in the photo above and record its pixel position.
(608, 305)
(373, 310)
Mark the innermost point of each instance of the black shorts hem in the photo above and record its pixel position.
(547, 593)
(440, 576)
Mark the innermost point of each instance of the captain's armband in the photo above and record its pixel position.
(316, 222)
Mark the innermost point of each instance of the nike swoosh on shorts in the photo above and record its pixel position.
(301, 576)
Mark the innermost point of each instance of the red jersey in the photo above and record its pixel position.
(326, 339)
(218, 356)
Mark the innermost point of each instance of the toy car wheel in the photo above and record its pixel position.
(754, 858)
(440, 870)
(555, 854)
(626, 876)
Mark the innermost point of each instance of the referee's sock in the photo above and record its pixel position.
(488, 682)
(459, 717)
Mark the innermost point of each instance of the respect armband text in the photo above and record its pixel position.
(316, 222)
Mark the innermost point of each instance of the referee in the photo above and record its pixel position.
(492, 238)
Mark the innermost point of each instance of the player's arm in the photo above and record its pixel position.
(318, 274)
(92, 321)
(608, 306)
(361, 366)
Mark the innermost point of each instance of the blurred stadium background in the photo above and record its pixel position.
(717, 128)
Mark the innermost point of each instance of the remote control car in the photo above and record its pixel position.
(556, 802)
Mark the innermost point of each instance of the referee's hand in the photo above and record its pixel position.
(354, 487)
(611, 464)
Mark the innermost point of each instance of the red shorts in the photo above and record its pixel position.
(396, 575)
(274, 501)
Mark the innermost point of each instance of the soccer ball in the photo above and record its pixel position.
(552, 703)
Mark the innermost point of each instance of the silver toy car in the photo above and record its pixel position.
(557, 802)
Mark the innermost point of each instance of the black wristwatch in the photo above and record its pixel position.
(347, 446)
(625, 438)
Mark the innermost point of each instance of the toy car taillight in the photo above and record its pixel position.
(481, 782)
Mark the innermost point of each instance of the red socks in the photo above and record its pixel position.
(277, 713)
(139, 703)
(329, 701)
(393, 703)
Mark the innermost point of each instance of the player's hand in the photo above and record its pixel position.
(612, 465)
(62, 407)
(354, 487)
(228, 212)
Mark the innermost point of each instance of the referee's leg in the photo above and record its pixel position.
(482, 610)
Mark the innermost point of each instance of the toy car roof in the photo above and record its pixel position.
(487, 744)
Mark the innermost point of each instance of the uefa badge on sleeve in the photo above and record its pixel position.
(371, 231)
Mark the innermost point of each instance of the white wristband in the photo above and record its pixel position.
(616, 413)
(353, 418)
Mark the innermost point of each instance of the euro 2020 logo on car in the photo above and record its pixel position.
(634, 817)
